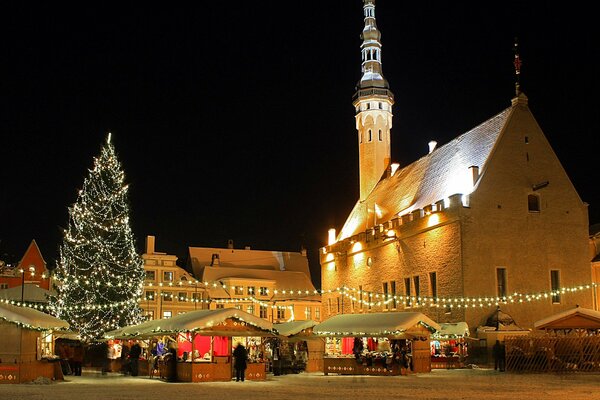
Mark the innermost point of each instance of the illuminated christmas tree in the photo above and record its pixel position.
(100, 275)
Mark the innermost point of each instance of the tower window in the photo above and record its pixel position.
(361, 137)
(433, 285)
(380, 105)
(370, 135)
(501, 282)
(555, 285)
(380, 136)
(533, 203)
(407, 290)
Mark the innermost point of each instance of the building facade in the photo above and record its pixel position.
(169, 290)
(273, 285)
(489, 219)
(30, 270)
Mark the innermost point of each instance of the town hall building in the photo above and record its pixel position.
(487, 220)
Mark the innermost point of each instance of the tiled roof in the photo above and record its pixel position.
(432, 178)
(282, 280)
(201, 257)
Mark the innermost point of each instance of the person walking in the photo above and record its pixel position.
(78, 353)
(240, 356)
(134, 358)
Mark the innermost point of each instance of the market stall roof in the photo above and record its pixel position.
(31, 293)
(131, 331)
(293, 327)
(30, 318)
(574, 318)
(193, 321)
(375, 324)
(452, 330)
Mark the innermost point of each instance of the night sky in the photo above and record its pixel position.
(233, 119)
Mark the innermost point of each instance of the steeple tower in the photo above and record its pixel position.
(373, 103)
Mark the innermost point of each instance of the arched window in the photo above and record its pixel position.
(370, 136)
(533, 203)
(380, 137)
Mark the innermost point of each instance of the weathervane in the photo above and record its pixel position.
(517, 64)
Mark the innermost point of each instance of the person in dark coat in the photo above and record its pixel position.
(240, 356)
(499, 357)
(134, 358)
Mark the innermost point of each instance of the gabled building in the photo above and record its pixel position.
(490, 214)
(273, 285)
(169, 290)
(30, 270)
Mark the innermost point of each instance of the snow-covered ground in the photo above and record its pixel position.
(440, 384)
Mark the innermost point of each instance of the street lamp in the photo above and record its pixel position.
(32, 273)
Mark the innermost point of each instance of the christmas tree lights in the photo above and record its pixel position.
(99, 267)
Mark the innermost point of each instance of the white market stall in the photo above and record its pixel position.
(449, 345)
(391, 343)
(205, 340)
(300, 350)
(26, 351)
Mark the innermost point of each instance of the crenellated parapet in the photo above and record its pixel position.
(430, 217)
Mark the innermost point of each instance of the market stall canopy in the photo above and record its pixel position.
(574, 318)
(132, 331)
(201, 320)
(293, 327)
(30, 293)
(375, 324)
(208, 322)
(30, 318)
(452, 330)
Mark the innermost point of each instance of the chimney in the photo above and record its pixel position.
(150, 244)
(393, 168)
(331, 237)
(432, 145)
(474, 174)
(303, 251)
(230, 244)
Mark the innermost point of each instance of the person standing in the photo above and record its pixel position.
(134, 358)
(240, 356)
(78, 353)
(498, 353)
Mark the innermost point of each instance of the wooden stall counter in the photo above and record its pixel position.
(212, 372)
(349, 366)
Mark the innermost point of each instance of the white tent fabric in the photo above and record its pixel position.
(293, 327)
(375, 324)
(31, 318)
(452, 330)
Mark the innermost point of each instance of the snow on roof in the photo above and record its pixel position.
(282, 280)
(31, 293)
(30, 318)
(586, 312)
(293, 327)
(193, 321)
(432, 178)
(375, 324)
(249, 259)
(452, 330)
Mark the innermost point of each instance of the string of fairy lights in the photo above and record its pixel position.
(100, 273)
(369, 299)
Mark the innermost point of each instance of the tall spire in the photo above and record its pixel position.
(372, 75)
(373, 103)
(517, 64)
